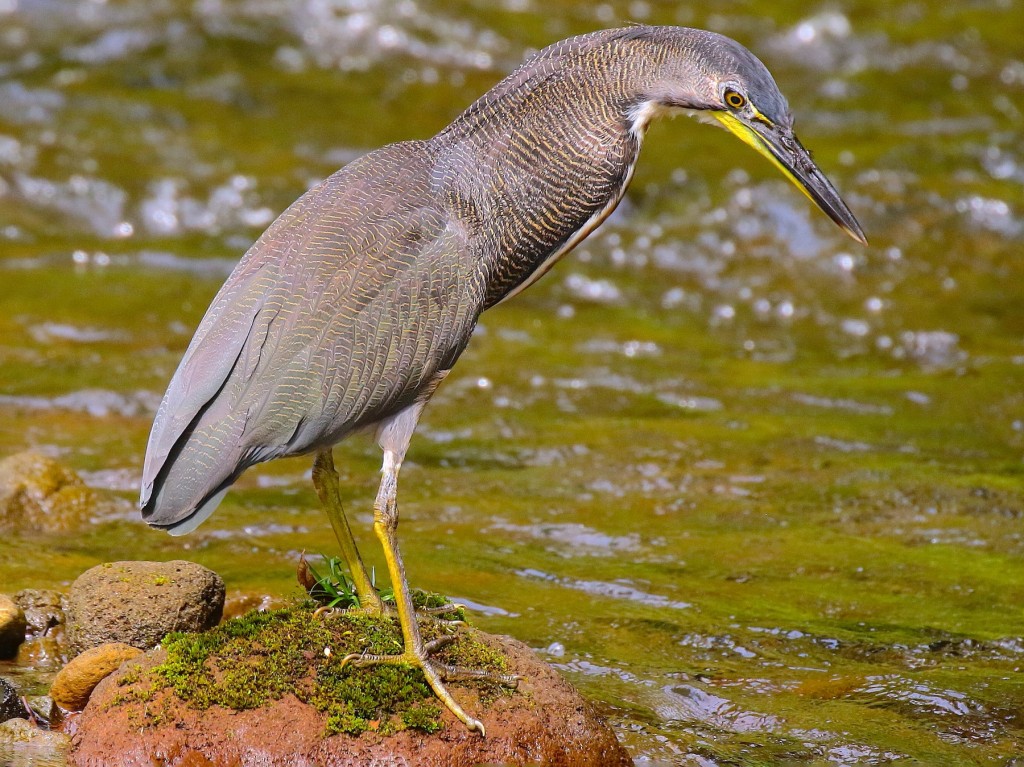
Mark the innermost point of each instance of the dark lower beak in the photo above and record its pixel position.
(796, 162)
(781, 146)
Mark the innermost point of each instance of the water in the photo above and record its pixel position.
(755, 489)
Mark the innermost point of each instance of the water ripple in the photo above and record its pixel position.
(617, 590)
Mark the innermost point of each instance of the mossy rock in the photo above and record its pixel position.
(271, 687)
(250, 661)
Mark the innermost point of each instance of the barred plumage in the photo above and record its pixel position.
(350, 309)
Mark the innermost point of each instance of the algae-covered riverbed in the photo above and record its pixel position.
(756, 489)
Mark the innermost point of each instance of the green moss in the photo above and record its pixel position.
(132, 675)
(250, 661)
(423, 717)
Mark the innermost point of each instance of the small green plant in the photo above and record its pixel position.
(335, 589)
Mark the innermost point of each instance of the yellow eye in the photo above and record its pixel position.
(734, 100)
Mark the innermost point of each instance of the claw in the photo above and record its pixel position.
(448, 607)
(453, 673)
(452, 624)
(365, 659)
(436, 644)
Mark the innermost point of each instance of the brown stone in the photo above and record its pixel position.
(43, 651)
(75, 682)
(12, 627)
(139, 603)
(40, 494)
(546, 722)
(44, 610)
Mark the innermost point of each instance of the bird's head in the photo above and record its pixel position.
(713, 76)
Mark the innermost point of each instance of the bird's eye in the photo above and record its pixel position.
(734, 99)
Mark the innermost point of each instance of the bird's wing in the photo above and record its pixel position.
(201, 374)
(340, 315)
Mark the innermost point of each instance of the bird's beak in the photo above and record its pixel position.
(782, 147)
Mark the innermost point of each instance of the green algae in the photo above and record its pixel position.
(250, 661)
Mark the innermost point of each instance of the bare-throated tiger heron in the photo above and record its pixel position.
(353, 306)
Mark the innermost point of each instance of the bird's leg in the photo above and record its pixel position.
(325, 480)
(385, 525)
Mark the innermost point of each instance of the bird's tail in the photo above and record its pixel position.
(182, 490)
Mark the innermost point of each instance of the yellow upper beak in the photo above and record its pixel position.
(789, 156)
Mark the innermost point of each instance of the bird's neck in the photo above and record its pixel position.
(542, 160)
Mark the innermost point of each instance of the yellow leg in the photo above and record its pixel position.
(385, 525)
(325, 480)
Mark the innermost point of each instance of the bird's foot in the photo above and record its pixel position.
(431, 613)
(383, 608)
(447, 607)
(437, 673)
(437, 613)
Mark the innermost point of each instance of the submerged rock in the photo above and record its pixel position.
(12, 627)
(139, 603)
(40, 494)
(44, 610)
(44, 645)
(43, 708)
(282, 697)
(238, 604)
(75, 682)
(10, 702)
(22, 743)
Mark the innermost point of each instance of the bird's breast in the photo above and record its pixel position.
(535, 194)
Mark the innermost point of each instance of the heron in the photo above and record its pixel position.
(351, 308)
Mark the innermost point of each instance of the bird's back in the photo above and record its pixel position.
(339, 315)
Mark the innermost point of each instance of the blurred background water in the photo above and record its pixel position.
(756, 489)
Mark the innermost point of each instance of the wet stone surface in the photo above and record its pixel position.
(12, 627)
(10, 702)
(44, 610)
(139, 603)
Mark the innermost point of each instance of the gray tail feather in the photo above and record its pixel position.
(198, 470)
(192, 520)
(165, 514)
(186, 489)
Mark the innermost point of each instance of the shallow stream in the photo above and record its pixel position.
(757, 490)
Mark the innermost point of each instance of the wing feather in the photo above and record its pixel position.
(339, 316)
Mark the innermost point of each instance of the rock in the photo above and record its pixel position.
(43, 707)
(75, 682)
(22, 744)
(44, 609)
(135, 717)
(139, 603)
(10, 702)
(43, 652)
(44, 639)
(12, 627)
(37, 493)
